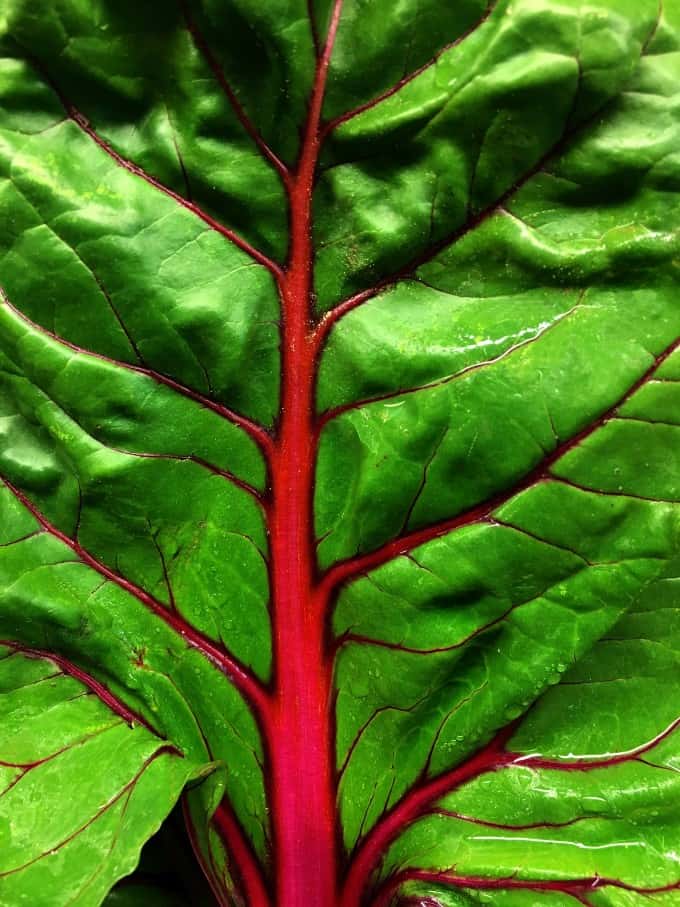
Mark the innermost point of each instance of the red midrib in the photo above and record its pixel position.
(300, 729)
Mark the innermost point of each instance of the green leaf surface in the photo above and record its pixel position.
(339, 452)
(54, 730)
(594, 793)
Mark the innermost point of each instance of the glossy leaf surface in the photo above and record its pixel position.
(339, 432)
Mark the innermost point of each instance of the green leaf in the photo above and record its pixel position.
(604, 823)
(55, 730)
(339, 451)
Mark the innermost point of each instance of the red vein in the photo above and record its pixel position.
(586, 763)
(203, 47)
(257, 432)
(491, 757)
(105, 293)
(405, 80)
(314, 136)
(334, 315)
(359, 733)
(46, 678)
(331, 317)
(240, 676)
(95, 686)
(337, 411)
(255, 493)
(617, 494)
(577, 888)
(354, 566)
(503, 826)
(127, 789)
(83, 123)
(423, 479)
(360, 639)
(210, 873)
(248, 871)
(25, 767)
(418, 801)
(224, 473)
(110, 849)
(198, 461)
(180, 159)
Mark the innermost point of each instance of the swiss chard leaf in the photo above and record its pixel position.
(339, 432)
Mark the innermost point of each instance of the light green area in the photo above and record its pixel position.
(54, 731)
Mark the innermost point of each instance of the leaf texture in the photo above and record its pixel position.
(56, 725)
(339, 432)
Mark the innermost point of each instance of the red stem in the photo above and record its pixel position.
(242, 862)
(301, 738)
(296, 717)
